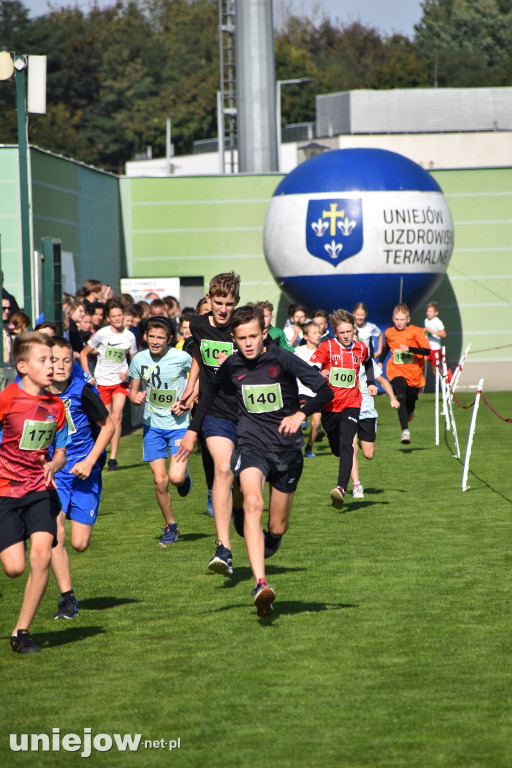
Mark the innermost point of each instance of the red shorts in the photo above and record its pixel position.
(435, 357)
(106, 391)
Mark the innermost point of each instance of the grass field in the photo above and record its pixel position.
(390, 644)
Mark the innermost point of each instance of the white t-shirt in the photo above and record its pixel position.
(368, 410)
(434, 340)
(112, 348)
(367, 331)
(305, 354)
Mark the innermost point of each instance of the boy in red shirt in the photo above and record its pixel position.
(339, 360)
(31, 419)
(408, 346)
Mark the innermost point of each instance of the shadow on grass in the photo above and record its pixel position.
(245, 574)
(290, 608)
(412, 450)
(485, 484)
(194, 536)
(66, 635)
(355, 506)
(104, 603)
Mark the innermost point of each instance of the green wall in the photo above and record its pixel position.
(10, 222)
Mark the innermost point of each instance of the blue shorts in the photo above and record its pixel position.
(158, 443)
(80, 499)
(215, 427)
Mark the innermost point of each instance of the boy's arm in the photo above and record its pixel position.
(190, 389)
(50, 468)
(82, 469)
(379, 345)
(136, 396)
(87, 350)
(386, 386)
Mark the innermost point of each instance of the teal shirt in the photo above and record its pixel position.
(164, 381)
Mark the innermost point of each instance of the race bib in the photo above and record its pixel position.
(163, 398)
(115, 354)
(262, 398)
(210, 351)
(402, 358)
(37, 435)
(342, 377)
(69, 418)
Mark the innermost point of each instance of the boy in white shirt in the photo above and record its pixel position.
(435, 332)
(112, 343)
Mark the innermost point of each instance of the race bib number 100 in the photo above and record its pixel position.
(402, 358)
(342, 377)
(115, 354)
(37, 435)
(163, 398)
(210, 351)
(262, 398)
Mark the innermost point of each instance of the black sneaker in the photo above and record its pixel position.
(264, 596)
(272, 543)
(113, 466)
(238, 520)
(222, 561)
(23, 643)
(68, 609)
(186, 486)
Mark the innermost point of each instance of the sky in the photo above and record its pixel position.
(387, 17)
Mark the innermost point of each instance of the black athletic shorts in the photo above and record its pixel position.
(20, 518)
(367, 430)
(282, 470)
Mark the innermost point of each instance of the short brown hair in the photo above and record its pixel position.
(434, 305)
(247, 314)
(225, 284)
(266, 305)
(401, 308)
(113, 304)
(23, 344)
(341, 316)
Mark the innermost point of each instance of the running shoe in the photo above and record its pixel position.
(113, 466)
(21, 642)
(209, 504)
(337, 497)
(319, 435)
(358, 491)
(272, 543)
(222, 561)
(186, 486)
(308, 452)
(170, 534)
(406, 437)
(264, 596)
(68, 609)
(238, 520)
(305, 425)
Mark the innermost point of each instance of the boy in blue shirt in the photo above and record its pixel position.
(79, 482)
(159, 377)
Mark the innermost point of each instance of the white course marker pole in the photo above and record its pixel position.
(456, 455)
(444, 387)
(458, 370)
(436, 407)
(471, 435)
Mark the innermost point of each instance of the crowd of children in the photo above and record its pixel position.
(220, 377)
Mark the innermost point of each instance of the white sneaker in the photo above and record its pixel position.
(358, 491)
(406, 437)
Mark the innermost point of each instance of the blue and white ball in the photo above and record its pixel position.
(354, 225)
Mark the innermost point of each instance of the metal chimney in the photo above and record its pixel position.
(255, 86)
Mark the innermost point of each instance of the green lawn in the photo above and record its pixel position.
(390, 643)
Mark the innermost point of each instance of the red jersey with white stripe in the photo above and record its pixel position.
(342, 364)
(30, 424)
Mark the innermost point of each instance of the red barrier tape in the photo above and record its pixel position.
(466, 407)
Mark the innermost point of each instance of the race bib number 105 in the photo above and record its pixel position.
(262, 398)
(210, 351)
(37, 435)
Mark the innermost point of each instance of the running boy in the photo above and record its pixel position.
(408, 346)
(113, 343)
(79, 481)
(312, 334)
(435, 332)
(367, 424)
(213, 343)
(159, 377)
(31, 420)
(340, 360)
(269, 434)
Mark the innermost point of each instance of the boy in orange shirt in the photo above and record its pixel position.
(409, 347)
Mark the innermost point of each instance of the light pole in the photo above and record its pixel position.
(279, 83)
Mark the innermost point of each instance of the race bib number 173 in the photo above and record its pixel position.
(37, 435)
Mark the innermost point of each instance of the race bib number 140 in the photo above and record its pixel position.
(262, 398)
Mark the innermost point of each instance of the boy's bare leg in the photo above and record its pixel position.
(355, 464)
(115, 409)
(315, 426)
(177, 471)
(159, 469)
(221, 449)
(40, 557)
(252, 481)
(80, 536)
(60, 558)
(13, 559)
(279, 512)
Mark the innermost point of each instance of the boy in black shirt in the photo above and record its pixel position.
(213, 343)
(269, 436)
